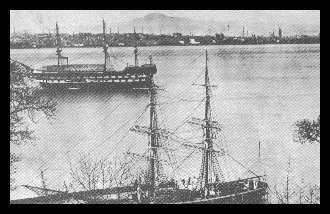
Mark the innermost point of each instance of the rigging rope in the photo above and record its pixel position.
(51, 159)
(128, 131)
(118, 143)
(189, 115)
(111, 136)
(79, 142)
(182, 163)
(241, 164)
(78, 58)
(73, 134)
(104, 118)
(183, 124)
(186, 89)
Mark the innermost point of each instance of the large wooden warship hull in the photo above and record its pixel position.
(92, 77)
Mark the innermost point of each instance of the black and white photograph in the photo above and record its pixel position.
(164, 107)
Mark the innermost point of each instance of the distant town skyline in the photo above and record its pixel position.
(38, 21)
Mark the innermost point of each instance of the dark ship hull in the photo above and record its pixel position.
(91, 77)
(256, 196)
(235, 192)
(128, 195)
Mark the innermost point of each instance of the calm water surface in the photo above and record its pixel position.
(261, 91)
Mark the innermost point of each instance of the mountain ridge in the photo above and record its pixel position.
(159, 23)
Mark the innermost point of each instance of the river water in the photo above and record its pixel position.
(261, 91)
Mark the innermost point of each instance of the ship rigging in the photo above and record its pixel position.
(158, 188)
(93, 76)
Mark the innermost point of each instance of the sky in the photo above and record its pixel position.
(37, 21)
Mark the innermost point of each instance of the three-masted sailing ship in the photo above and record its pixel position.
(93, 76)
(211, 188)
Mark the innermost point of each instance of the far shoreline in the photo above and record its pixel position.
(67, 47)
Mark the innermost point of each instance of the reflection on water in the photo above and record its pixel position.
(261, 91)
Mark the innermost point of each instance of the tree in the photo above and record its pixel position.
(13, 159)
(291, 191)
(86, 175)
(25, 102)
(89, 174)
(299, 194)
(219, 38)
(307, 131)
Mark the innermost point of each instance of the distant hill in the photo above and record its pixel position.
(158, 22)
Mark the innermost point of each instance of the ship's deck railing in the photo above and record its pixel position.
(240, 185)
(217, 198)
(256, 178)
(91, 68)
(75, 67)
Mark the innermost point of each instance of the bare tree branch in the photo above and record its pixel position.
(26, 101)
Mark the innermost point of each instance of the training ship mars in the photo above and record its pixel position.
(93, 76)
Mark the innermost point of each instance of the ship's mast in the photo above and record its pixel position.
(154, 167)
(58, 44)
(208, 139)
(210, 166)
(153, 138)
(259, 151)
(136, 51)
(105, 47)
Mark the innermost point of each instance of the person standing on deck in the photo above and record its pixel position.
(139, 191)
(189, 184)
(193, 183)
(212, 192)
(183, 184)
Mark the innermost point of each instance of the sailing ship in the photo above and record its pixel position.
(212, 186)
(93, 76)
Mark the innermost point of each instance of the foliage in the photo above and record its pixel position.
(13, 159)
(307, 131)
(25, 102)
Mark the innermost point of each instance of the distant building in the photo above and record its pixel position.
(193, 42)
(16, 39)
(78, 45)
(177, 34)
